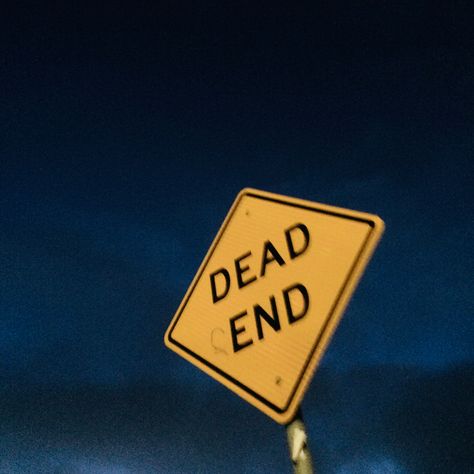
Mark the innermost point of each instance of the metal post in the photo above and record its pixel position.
(298, 446)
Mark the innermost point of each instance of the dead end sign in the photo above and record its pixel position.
(266, 299)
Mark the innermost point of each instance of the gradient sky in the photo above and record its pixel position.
(126, 133)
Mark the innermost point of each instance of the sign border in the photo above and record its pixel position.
(376, 229)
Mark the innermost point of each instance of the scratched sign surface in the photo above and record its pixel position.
(269, 294)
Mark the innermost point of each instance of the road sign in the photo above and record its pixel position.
(269, 294)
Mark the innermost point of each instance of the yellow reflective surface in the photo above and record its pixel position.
(269, 293)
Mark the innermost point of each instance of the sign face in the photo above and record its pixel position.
(269, 294)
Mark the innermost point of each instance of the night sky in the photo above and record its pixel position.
(126, 131)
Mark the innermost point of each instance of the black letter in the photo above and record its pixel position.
(268, 246)
(289, 310)
(294, 253)
(240, 271)
(235, 332)
(215, 296)
(261, 313)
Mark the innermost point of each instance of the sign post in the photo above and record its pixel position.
(298, 446)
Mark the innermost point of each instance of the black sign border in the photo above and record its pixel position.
(231, 379)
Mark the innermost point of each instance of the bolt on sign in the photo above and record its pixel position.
(269, 294)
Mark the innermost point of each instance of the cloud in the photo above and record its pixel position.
(393, 420)
(369, 465)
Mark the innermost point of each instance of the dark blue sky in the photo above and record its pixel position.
(127, 131)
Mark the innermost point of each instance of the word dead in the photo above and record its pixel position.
(269, 254)
(241, 274)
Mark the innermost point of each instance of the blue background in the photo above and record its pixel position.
(126, 133)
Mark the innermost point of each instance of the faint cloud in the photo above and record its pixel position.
(86, 466)
(60, 463)
(372, 466)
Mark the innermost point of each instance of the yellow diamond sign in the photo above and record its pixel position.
(269, 294)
